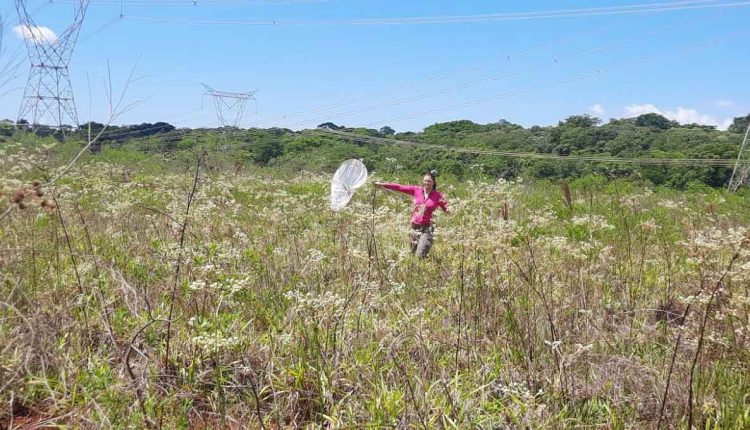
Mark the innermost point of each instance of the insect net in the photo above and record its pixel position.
(350, 175)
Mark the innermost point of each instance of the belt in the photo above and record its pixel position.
(421, 227)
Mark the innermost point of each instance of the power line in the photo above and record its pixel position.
(502, 95)
(93, 33)
(481, 100)
(570, 79)
(526, 90)
(119, 134)
(485, 79)
(437, 77)
(183, 3)
(715, 162)
(462, 19)
(506, 57)
(379, 106)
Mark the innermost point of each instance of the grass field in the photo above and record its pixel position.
(133, 296)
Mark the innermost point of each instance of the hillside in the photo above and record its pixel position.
(646, 136)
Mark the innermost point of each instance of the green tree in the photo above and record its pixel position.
(654, 120)
(627, 139)
(583, 121)
(739, 125)
(576, 132)
(453, 128)
(330, 125)
(387, 131)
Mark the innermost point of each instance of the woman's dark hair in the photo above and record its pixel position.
(432, 174)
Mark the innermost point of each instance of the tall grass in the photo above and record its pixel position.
(257, 307)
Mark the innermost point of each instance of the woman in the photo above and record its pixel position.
(426, 200)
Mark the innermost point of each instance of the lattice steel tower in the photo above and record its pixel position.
(229, 102)
(742, 165)
(48, 96)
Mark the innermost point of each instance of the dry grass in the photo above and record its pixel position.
(535, 310)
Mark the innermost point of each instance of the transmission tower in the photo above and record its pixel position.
(741, 166)
(231, 104)
(48, 96)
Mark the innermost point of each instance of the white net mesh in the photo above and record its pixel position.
(350, 175)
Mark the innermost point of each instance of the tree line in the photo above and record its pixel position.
(646, 136)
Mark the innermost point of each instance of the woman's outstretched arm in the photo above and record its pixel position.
(406, 189)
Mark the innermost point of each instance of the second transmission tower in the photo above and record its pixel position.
(230, 107)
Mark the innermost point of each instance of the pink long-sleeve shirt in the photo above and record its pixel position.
(424, 206)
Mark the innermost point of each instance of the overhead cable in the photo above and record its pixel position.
(482, 80)
(532, 88)
(460, 19)
(430, 79)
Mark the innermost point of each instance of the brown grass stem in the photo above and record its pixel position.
(178, 264)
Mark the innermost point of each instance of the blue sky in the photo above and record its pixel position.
(315, 65)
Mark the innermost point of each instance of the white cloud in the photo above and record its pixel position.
(681, 115)
(724, 103)
(690, 116)
(635, 110)
(597, 109)
(38, 34)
